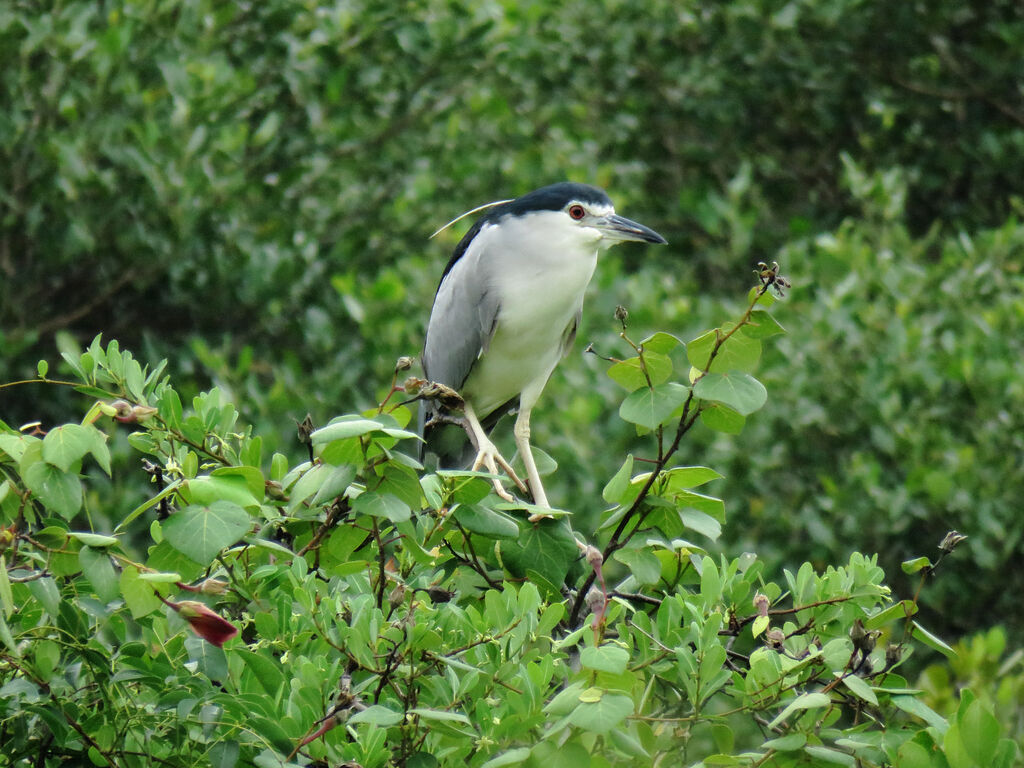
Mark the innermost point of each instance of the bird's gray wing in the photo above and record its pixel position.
(570, 332)
(461, 324)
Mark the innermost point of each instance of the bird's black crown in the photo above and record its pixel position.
(553, 197)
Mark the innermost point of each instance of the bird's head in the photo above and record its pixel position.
(578, 211)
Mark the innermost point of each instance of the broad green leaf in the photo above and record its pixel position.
(913, 755)
(802, 702)
(682, 478)
(701, 523)
(895, 612)
(629, 374)
(232, 488)
(253, 477)
(201, 532)
(788, 743)
(6, 596)
(486, 522)
(378, 715)
(617, 486)
(739, 391)
(740, 352)
(721, 418)
(915, 565)
(922, 635)
(138, 594)
(334, 484)
(660, 342)
(979, 731)
(548, 548)
(831, 755)
(605, 658)
(100, 572)
(762, 325)
(211, 660)
(65, 445)
(440, 715)
(859, 688)
(642, 563)
(266, 671)
(603, 715)
(517, 756)
(382, 505)
(45, 591)
(650, 407)
(60, 492)
(96, 540)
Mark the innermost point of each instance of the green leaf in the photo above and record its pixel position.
(859, 688)
(45, 591)
(94, 539)
(346, 427)
(701, 523)
(788, 743)
(334, 484)
(60, 492)
(6, 596)
(740, 352)
(802, 702)
(201, 532)
(896, 612)
(721, 418)
(378, 715)
(100, 572)
(761, 623)
(642, 563)
(42, 368)
(232, 488)
(915, 565)
(603, 715)
(762, 325)
(138, 594)
(914, 706)
(650, 407)
(629, 374)
(266, 671)
(979, 731)
(683, 478)
(440, 715)
(739, 391)
(619, 484)
(831, 755)
(922, 635)
(660, 342)
(605, 658)
(913, 755)
(65, 446)
(548, 548)
(517, 756)
(486, 522)
(382, 505)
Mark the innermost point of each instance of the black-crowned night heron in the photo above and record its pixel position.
(507, 309)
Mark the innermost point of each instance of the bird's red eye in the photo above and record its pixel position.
(577, 212)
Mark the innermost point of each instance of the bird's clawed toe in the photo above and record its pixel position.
(488, 458)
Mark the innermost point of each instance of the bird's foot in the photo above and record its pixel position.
(488, 457)
(540, 499)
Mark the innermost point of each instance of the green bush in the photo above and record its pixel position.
(350, 607)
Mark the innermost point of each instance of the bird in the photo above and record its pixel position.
(506, 311)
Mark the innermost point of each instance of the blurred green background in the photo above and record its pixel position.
(247, 189)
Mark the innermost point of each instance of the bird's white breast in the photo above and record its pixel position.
(541, 283)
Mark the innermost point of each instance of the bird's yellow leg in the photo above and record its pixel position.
(487, 456)
(522, 433)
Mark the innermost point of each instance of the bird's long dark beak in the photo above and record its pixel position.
(617, 228)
